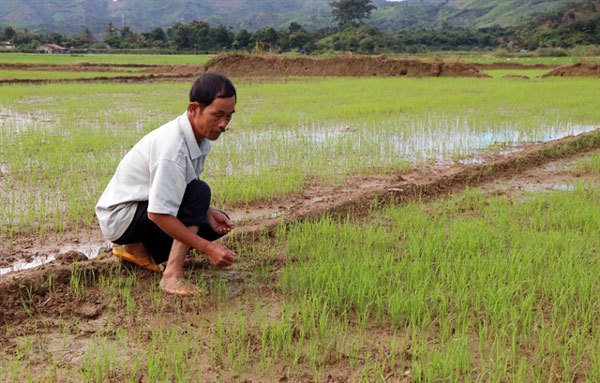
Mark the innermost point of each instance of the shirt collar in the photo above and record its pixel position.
(195, 148)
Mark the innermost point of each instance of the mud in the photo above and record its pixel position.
(576, 70)
(176, 70)
(551, 176)
(347, 65)
(74, 67)
(129, 79)
(241, 65)
(509, 65)
(39, 307)
(517, 76)
(355, 198)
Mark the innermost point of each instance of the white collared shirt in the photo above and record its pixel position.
(157, 169)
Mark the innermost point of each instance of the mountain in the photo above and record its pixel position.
(71, 16)
(459, 13)
(570, 25)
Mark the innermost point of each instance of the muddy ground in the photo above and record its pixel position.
(355, 196)
(40, 303)
(239, 65)
(576, 70)
(347, 65)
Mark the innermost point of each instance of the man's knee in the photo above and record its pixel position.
(195, 203)
(197, 190)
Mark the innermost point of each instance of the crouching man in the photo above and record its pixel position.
(155, 208)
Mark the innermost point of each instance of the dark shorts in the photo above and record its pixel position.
(192, 211)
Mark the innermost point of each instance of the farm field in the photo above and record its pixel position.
(35, 58)
(30, 74)
(389, 229)
(495, 283)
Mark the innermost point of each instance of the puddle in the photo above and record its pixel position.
(22, 265)
(266, 213)
(546, 187)
(12, 122)
(90, 251)
(536, 186)
(373, 145)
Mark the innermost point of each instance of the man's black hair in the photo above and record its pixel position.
(209, 86)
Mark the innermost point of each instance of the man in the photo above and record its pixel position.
(155, 206)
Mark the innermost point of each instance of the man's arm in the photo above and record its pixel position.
(218, 255)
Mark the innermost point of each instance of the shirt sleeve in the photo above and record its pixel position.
(167, 186)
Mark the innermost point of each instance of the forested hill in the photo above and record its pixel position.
(72, 16)
(460, 13)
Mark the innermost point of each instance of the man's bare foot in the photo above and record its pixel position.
(178, 286)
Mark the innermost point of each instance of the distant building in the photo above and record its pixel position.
(53, 48)
(6, 45)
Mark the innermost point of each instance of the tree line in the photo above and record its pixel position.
(350, 34)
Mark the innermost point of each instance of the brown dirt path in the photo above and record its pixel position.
(576, 70)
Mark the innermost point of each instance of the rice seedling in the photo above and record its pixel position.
(285, 134)
(103, 58)
(51, 75)
(477, 280)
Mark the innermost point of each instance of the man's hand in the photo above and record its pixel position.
(219, 255)
(219, 221)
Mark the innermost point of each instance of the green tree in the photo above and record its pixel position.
(349, 11)
(270, 36)
(243, 40)
(110, 29)
(157, 34)
(86, 37)
(222, 37)
(9, 33)
(200, 36)
(179, 36)
(295, 27)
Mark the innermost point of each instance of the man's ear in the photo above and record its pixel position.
(195, 106)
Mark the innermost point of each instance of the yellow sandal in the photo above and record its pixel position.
(145, 262)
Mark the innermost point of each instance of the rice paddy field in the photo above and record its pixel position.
(434, 229)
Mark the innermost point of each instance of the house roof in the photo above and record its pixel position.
(52, 46)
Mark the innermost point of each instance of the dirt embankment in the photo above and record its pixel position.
(354, 198)
(576, 70)
(128, 79)
(73, 67)
(176, 70)
(347, 65)
(507, 65)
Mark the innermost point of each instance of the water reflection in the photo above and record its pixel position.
(89, 250)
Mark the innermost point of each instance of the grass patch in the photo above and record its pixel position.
(33, 75)
(103, 58)
(62, 142)
(472, 287)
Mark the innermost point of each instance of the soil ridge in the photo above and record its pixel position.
(235, 64)
(576, 70)
(419, 184)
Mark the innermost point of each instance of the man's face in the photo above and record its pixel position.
(210, 121)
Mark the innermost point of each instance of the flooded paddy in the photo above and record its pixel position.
(361, 256)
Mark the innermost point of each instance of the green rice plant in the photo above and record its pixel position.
(285, 136)
(503, 288)
(76, 281)
(531, 73)
(99, 362)
(590, 165)
(58, 74)
(103, 58)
